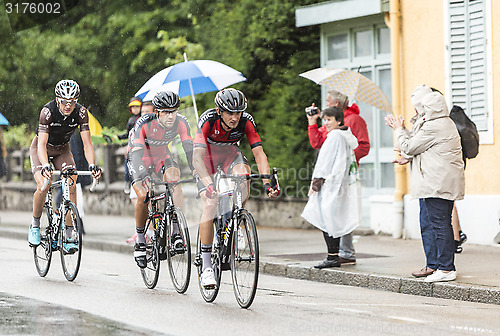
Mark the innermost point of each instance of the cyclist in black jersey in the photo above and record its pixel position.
(216, 143)
(58, 121)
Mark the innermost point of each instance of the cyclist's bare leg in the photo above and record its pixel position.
(141, 214)
(239, 169)
(174, 174)
(141, 209)
(72, 198)
(39, 195)
(207, 219)
(207, 229)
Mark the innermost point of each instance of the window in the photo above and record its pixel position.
(337, 47)
(365, 47)
(467, 52)
(383, 40)
(363, 43)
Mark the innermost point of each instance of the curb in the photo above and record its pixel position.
(411, 286)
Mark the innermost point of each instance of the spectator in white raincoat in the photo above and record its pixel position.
(333, 205)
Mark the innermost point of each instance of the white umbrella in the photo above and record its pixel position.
(190, 78)
(350, 83)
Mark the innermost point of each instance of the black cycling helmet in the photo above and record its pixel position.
(231, 100)
(166, 100)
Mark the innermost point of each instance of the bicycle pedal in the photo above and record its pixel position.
(177, 250)
(163, 256)
(197, 261)
(209, 287)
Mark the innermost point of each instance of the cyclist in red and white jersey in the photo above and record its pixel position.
(216, 143)
(148, 149)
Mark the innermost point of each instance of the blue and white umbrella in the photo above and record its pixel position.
(3, 120)
(190, 78)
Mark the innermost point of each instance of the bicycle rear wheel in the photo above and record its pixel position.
(43, 252)
(71, 260)
(151, 273)
(245, 259)
(179, 259)
(208, 295)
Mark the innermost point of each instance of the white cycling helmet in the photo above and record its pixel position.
(67, 89)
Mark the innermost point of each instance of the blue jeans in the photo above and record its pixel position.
(437, 233)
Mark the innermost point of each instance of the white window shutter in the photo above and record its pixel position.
(468, 58)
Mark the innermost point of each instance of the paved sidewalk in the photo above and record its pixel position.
(383, 263)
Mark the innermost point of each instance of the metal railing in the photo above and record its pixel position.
(110, 157)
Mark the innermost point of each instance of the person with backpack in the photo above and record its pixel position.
(469, 139)
(437, 178)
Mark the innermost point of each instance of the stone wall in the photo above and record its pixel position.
(282, 212)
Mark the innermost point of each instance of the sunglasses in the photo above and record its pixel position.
(68, 102)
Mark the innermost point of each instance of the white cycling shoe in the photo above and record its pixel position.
(208, 278)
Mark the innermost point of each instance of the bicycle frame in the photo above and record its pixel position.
(54, 226)
(161, 245)
(229, 253)
(168, 209)
(225, 232)
(53, 238)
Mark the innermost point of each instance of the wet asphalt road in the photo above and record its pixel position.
(109, 298)
(23, 316)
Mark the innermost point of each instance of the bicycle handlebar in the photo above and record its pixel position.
(273, 177)
(159, 182)
(68, 173)
(168, 183)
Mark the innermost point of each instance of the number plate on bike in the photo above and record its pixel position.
(226, 187)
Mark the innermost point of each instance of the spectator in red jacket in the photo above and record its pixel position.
(317, 137)
(352, 119)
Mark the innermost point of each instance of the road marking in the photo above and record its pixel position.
(475, 329)
(357, 311)
(406, 319)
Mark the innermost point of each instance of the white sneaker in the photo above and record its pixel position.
(441, 276)
(208, 279)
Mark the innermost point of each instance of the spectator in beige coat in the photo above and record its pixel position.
(437, 180)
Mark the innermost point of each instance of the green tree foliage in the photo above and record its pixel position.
(113, 48)
(259, 38)
(110, 50)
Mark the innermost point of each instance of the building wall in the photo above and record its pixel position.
(423, 61)
(482, 172)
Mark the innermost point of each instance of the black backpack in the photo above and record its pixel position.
(468, 132)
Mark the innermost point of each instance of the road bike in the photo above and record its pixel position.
(236, 244)
(53, 224)
(167, 221)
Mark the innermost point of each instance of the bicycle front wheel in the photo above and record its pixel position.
(245, 259)
(208, 295)
(43, 252)
(151, 273)
(179, 257)
(71, 245)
